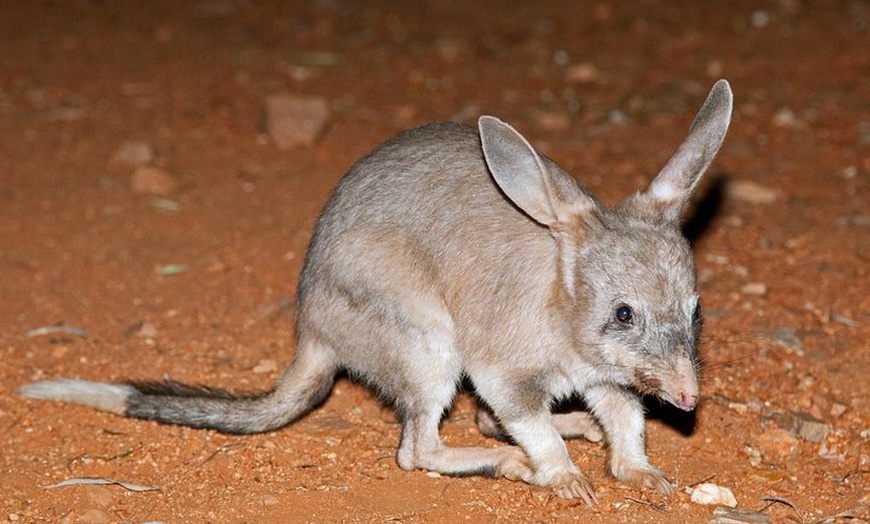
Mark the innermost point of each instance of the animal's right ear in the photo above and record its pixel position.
(669, 192)
(545, 193)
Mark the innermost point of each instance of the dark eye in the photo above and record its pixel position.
(624, 315)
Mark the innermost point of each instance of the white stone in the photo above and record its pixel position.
(711, 494)
(756, 289)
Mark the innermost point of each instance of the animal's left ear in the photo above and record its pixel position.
(670, 190)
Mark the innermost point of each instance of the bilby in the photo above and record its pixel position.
(451, 253)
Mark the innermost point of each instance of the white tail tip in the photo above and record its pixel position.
(98, 395)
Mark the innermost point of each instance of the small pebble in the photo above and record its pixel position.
(618, 117)
(265, 365)
(751, 192)
(152, 181)
(785, 117)
(561, 57)
(169, 270)
(756, 289)
(583, 73)
(714, 69)
(719, 260)
(142, 329)
(134, 153)
(760, 19)
(754, 455)
(837, 409)
(165, 205)
(294, 121)
(849, 172)
(552, 121)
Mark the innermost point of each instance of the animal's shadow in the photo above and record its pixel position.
(655, 409)
(706, 208)
(671, 416)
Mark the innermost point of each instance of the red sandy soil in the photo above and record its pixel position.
(607, 88)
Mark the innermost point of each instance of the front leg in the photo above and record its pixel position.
(549, 456)
(522, 406)
(620, 413)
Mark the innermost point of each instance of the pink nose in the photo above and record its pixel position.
(684, 385)
(686, 402)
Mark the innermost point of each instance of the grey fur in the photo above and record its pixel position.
(450, 252)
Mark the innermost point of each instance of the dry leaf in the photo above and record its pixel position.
(91, 481)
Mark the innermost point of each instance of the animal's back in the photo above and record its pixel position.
(426, 184)
(423, 202)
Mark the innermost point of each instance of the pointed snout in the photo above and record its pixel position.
(682, 389)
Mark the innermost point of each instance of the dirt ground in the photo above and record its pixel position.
(198, 283)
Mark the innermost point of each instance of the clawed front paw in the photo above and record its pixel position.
(572, 485)
(648, 479)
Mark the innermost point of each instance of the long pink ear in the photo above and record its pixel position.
(540, 188)
(669, 192)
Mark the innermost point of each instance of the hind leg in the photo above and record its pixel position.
(422, 447)
(415, 364)
(575, 424)
(425, 392)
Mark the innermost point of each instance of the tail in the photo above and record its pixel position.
(302, 387)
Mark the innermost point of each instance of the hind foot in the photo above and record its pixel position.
(503, 461)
